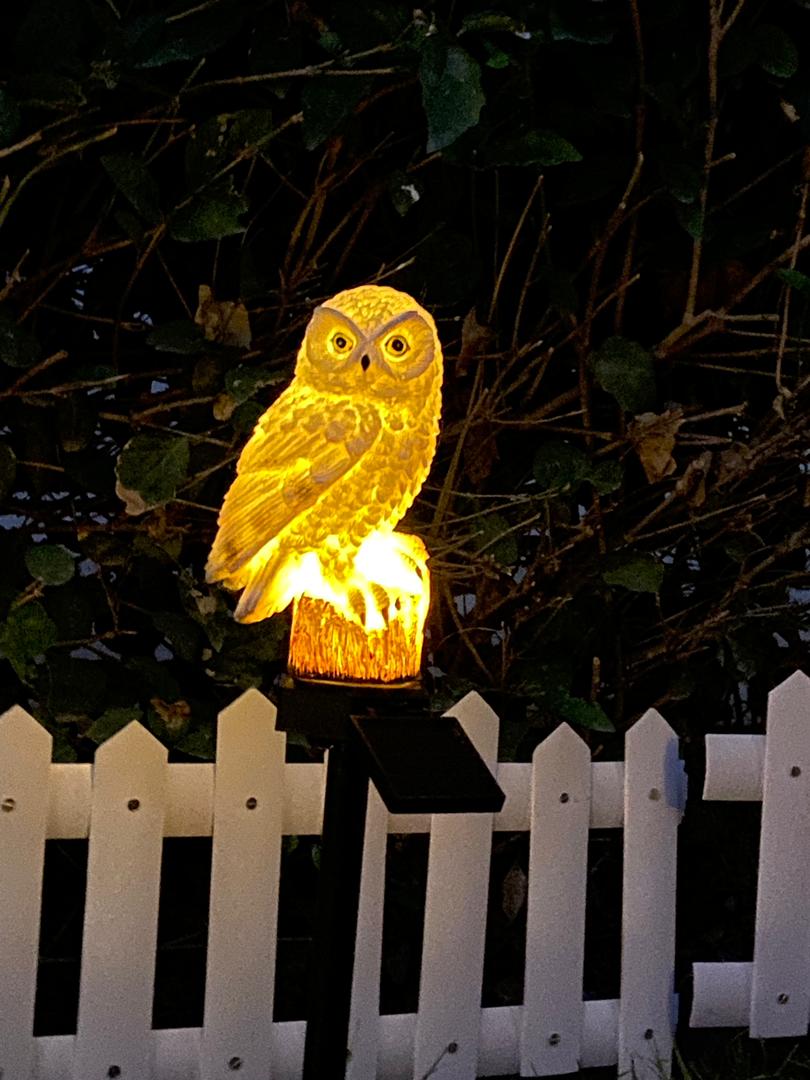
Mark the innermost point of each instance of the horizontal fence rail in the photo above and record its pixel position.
(131, 798)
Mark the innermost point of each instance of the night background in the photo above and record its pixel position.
(604, 206)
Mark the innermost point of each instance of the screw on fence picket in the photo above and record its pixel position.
(357, 627)
(8, 805)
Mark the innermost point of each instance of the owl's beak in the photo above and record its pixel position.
(365, 362)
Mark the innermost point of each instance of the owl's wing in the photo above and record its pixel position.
(302, 445)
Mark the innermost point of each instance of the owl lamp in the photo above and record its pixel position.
(310, 520)
(329, 471)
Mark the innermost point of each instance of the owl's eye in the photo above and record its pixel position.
(340, 343)
(396, 346)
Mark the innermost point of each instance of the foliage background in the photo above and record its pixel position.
(604, 204)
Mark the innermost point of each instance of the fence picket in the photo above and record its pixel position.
(780, 992)
(120, 918)
(551, 1031)
(25, 759)
(449, 1017)
(245, 867)
(364, 1024)
(654, 793)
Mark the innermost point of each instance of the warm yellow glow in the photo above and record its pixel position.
(375, 628)
(329, 471)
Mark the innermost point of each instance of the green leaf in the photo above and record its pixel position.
(9, 118)
(52, 564)
(534, 148)
(795, 279)
(182, 632)
(327, 102)
(634, 570)
(606, 476)
(495, 539)
(112, 721)
(242, 382)
(451, 91)
(691, 218)
(47, 90)
(586, 714)
(559, 465)
(583, 23)
(201, 32)
(199, 744)
(149, 470)
(8, 470)
(76, 420)
(625, 370)
(740, 545)
(18, 347)
(179, 336)
(776, 51)
(405, 192)
(209, 217)
(682, 180)
(27, 632)
(489, 22)
(245, 417)
(132, 179)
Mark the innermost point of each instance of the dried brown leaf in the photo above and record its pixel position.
(475, 339)
(653, 438)
(692, 483)
(225, 321)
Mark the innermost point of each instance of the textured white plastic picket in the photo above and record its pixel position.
(245, 872)
(364, 1021)
(121, 908)
(780, 991)
(654, 793)
(449, 1017)
(551, 1027)
(25, 756)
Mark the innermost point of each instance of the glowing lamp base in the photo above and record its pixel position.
(326, 644)
(381, 639)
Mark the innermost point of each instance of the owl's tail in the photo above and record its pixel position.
(268, 587)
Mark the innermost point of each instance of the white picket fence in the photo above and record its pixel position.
(131, 798)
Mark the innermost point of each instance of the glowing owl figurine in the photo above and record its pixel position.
(334, 464)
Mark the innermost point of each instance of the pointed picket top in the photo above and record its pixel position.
(480, 723)
(552, 1017)
(116, 984)
(780, 985)
(23, 736)
(251, 708)
(25, 762)
(789, 702)
(653, 802)
(563, 742)
(245, 875)
(133, 743)
(654, 739)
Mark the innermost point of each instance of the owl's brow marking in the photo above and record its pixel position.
(333, 311)
(397, 320)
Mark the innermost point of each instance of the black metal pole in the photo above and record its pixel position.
(332, 958)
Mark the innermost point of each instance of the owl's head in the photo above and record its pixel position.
(375, 342)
